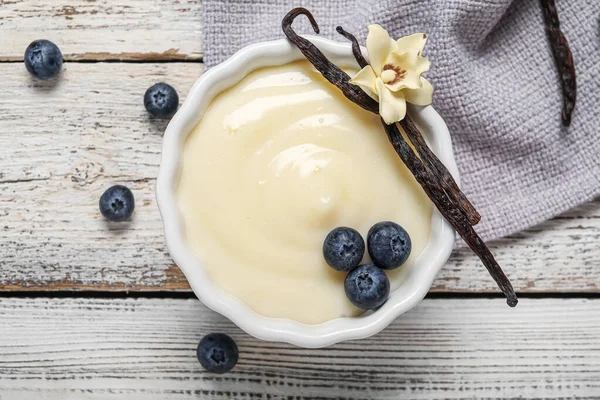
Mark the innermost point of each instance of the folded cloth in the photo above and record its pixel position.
(495, 85)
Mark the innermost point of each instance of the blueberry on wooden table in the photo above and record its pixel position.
(43, 59)
(217, 353)
(389, 245)
(117, 203)
(367, 287)
(343, 249)
(161, 100)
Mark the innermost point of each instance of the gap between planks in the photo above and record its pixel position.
(116, 61)
(170, 294)
(105, 29)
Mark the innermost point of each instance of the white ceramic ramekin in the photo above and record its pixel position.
(418, 279)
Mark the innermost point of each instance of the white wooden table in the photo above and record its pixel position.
(90, 311)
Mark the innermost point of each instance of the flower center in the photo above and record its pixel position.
(392, 74)
(388, 76)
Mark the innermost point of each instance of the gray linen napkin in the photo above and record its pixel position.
(495, 85)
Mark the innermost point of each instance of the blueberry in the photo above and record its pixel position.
(217, 353)
(367, 287)
(43, 59)
(389, 245)
(117, 203)
(161, 100)
(343, 249)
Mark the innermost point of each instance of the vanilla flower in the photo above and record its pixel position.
(394, 76)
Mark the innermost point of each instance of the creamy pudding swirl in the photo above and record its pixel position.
(276, 162)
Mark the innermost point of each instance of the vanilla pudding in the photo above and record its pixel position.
(277, 162)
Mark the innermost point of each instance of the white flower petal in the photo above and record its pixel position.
(409, 66)
(379, 46)
(421, 96)
(392, 106)
(365, 78)
(415, 41)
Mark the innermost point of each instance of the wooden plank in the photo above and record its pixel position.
(560, 255)
(63, 145)
(104, 29)
(444, 349)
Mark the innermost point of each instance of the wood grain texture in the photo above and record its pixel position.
(64, 142)
(444, 349)
(560, 255)
(62, 146)
(104, 29)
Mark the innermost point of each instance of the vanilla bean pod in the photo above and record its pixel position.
(430, 159)
(440, 169)
(448, 209)
(329, 70)
(563, 58)
(360, 59)
(426, 177)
